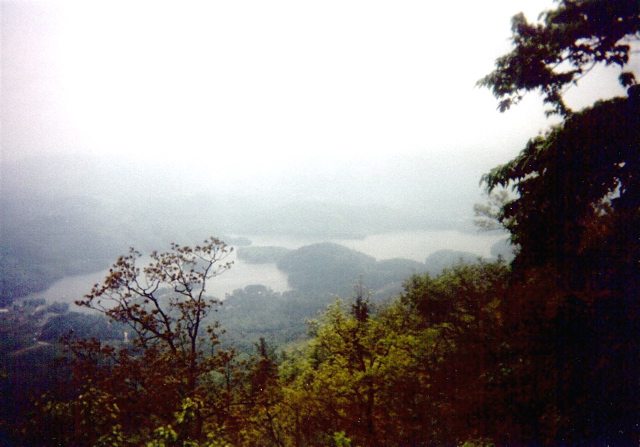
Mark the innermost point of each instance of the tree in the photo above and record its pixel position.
(261, 413)
(577, 187)
(334, 388)
(578, 191)
(413, 372)
(463, 311)
(167, 383)
(164, 303)
(564, 46)
(576, 219)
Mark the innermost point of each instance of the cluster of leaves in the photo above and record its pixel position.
(332, 268)
(256, 312)
(474, 355)
(575, 215)
(576, 220)
(261, 255)
(576, 185)
(362, 376)
(399, 374)
(562, 47)
(126, 391)
(81, 325)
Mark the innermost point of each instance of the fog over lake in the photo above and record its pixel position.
(361, 135)
(415, 245)
(72, 288)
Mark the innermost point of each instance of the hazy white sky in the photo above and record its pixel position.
(259, 83)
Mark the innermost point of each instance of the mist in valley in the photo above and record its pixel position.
(254, 126)
(214, 124)
(77, 214)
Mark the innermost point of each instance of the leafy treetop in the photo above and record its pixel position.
(164, 303)
(575, 185)
(562, 47)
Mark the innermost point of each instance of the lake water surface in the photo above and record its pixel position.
(416, 245)
(412, 245)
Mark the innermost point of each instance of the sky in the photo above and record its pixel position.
(263, 85)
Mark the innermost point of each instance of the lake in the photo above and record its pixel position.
(416, 245)
(72, 288)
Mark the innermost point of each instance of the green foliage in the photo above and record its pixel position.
(340, 439)
(325, 267)
(575, 219)
(578, 193)
(460, 297)
(258, 312)
(261, 255)
(556, 52)
(408, 373)
(333, 269)
(367, 374)
(438, 261)
(124, 393)
(81, 325)
(169, 435)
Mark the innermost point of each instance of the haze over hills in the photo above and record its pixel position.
(402, 182)
(67, 214)
(204, 124)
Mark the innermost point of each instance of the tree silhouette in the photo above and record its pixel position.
(165, 383)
